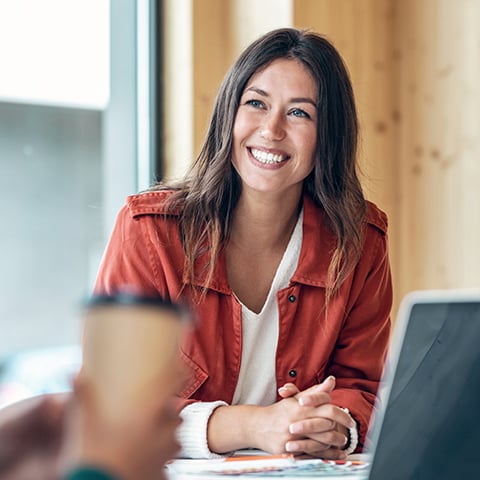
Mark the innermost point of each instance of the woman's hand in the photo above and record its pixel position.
(303, 422)
(323, 431)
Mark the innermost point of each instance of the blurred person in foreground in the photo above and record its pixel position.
(59, 436)
(120, 421)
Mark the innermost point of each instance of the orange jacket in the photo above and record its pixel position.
(145, 254)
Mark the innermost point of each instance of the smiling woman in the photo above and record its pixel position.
(284, 263)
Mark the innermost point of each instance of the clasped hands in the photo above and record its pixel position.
(306, 422)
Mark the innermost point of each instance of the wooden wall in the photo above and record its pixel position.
(439, 144)
(415, 67)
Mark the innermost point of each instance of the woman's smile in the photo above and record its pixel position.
(268, 157)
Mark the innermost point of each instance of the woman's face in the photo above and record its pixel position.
(275, 128)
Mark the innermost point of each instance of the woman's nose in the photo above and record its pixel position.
(272, 127)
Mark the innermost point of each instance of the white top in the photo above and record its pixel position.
(260, 333)
(259, 345)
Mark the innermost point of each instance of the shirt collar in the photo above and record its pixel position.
(315, 254)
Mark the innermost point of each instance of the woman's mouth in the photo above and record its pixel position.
(267, 158)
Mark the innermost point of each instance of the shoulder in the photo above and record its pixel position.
(376, 217)
(151, 202)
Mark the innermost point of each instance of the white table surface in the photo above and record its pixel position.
(192, 470)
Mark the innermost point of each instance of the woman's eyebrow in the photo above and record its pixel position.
(263, 93)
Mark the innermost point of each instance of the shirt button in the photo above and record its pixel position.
(292, 373)
(292, 298)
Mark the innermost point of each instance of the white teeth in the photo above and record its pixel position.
(267, 158)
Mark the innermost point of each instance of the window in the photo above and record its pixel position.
(76, 121)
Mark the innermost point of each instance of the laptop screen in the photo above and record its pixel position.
(431, 424)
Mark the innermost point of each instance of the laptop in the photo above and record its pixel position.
(427, 420)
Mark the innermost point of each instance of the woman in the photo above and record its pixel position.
(270, 240)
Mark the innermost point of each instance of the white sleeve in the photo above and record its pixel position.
(353, 436)
(192, 432)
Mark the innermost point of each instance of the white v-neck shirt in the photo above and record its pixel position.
(257, 380)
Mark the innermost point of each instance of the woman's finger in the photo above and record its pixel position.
(312, 425)
(318, 394)
(288, 390)
(315, 449)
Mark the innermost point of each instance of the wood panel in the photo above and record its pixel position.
(212, 47)
(178, 118)
(439, 144)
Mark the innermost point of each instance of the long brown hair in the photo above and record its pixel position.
(208, 194)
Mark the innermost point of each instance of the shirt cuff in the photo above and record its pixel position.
(352, 436)
(192, 432)
(89, 473)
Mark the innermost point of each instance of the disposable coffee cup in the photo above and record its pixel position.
(130, 350)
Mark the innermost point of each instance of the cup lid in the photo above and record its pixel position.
(129, 298)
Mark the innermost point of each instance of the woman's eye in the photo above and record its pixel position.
(254, 103)
(297, 112)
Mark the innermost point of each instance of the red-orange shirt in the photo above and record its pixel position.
(145, 254)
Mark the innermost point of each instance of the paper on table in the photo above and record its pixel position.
(234, 465)
(268, 466)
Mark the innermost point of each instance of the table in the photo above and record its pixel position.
(289, 468)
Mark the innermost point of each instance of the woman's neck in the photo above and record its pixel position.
(261, 223)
